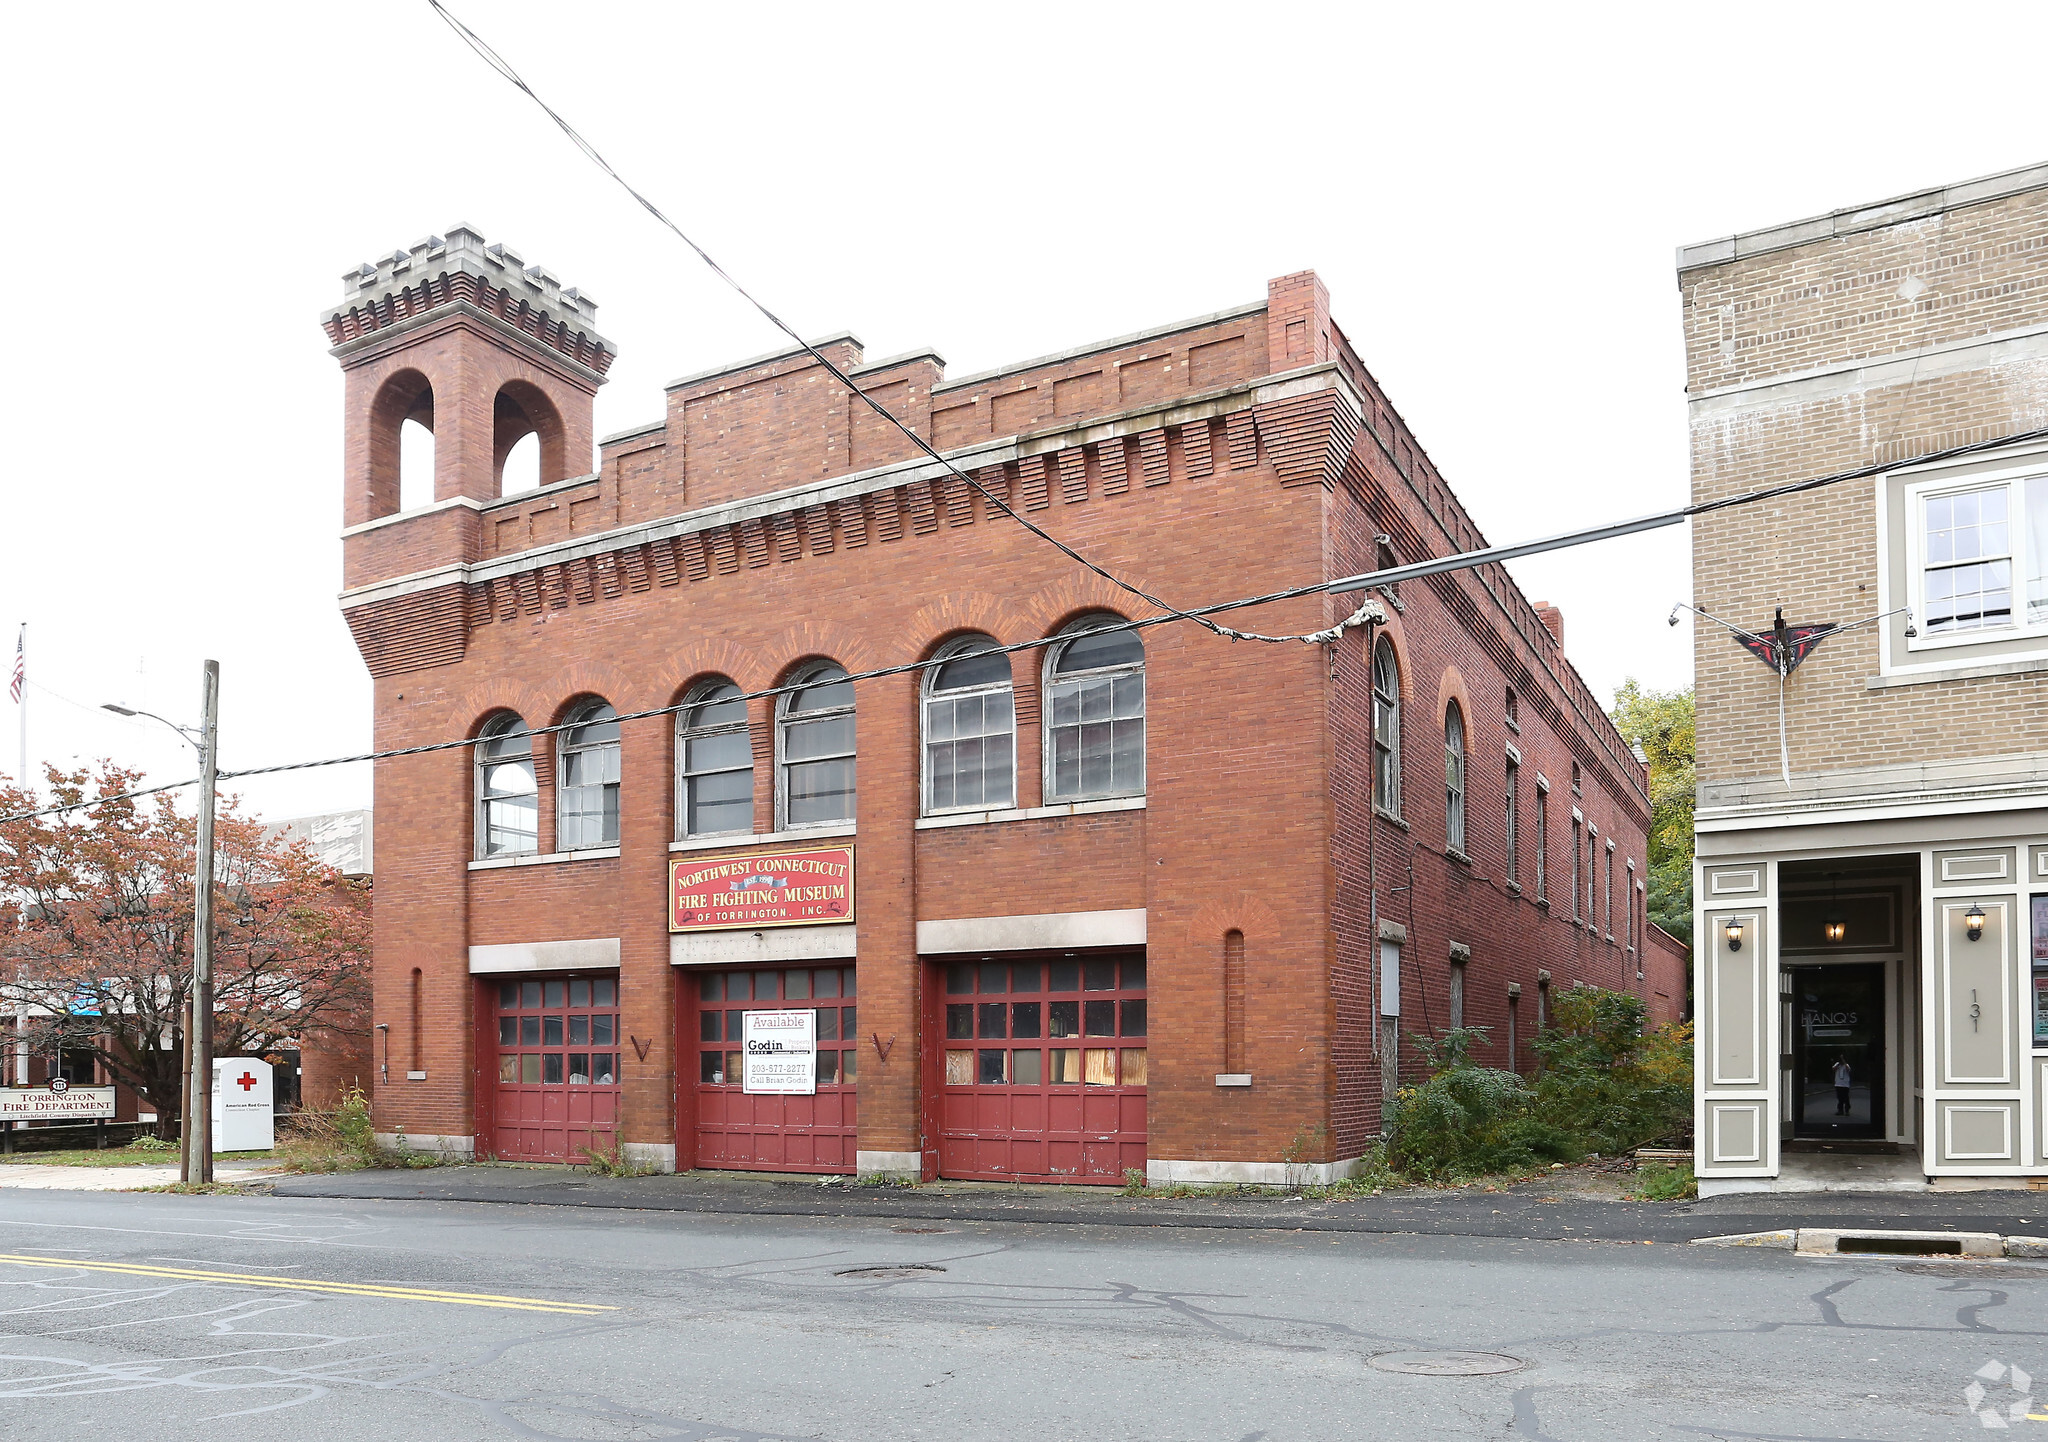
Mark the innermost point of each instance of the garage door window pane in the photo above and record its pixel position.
(1134, 1066)
(960, 1021)
(1064, 1065)
(1024, 1068)
(828, 1068)
(992, 1018)
(1134, 1018)
(508, 1031)
(529, 1068)
(508, 1068)
(1099, 1067)
(1024, 1019)
(1101, 1018)
(959, 1068)
(995, 1067)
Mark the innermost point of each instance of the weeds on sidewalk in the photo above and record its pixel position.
(1662, 1182)
(344, 1139)
(614, 1163)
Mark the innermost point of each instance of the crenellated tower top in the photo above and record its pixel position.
(405, 286)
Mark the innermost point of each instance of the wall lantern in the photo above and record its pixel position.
(1733, 931)
(1973, 921)
(1835, 926)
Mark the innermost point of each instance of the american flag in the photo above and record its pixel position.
(20, 677)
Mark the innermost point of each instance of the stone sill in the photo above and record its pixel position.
(763, 838)
(1031, 813)
(2028, 666)
(494, 863)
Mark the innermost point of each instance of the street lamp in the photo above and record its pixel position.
(196, 1156)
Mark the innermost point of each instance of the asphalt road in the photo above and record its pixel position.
(230, 1317)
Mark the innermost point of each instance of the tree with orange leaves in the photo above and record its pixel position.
(96, 921)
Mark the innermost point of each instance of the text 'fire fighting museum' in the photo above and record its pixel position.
(1132, 900)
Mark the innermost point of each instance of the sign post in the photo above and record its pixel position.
(244, 1116)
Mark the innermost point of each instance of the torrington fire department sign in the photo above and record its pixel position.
(761, 889)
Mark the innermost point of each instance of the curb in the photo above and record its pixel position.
(1874, 1241)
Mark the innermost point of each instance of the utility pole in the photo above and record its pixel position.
(198, 1150)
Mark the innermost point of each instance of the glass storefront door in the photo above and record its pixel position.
(1838, 1051)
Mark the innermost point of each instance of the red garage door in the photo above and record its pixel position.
(557, 1092)
(1044, 1069)
(776, 1133)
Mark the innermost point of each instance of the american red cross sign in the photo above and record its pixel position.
(245, 1081)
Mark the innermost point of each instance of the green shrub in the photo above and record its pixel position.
(1468, 1120)
(1659, 1182)
(1605, 1082)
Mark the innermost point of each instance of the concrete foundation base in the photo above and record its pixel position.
(464, 1147)
(1160, 1173)
(890, 1166)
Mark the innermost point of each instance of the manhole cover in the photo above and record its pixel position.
(918, 1231)
(1992, 1270)
(908, 1272)
(1447, 1364)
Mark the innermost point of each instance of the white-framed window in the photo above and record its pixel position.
(507, 798)
(587, 797)
(1511, 820)
(970, 729)
(1454, 778)
(1578, 839)
(1095, 713)
(1386, 728)
(1976, 559)
(714, 763)
(814, 749)
(1607, 892)
(1542, 838)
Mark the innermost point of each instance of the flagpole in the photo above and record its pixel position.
(21, 714)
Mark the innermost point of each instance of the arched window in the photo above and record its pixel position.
(507, 801)
(588, 794)
(1454, 779)
(1095, 713)
(814, 748)
(714, 763)
(1386, 729)
(970, 729)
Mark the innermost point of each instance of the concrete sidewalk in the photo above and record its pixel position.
(1555, 1209)
(42, 1177)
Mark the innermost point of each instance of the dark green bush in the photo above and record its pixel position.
(1605, 1082)
(1468, 1120)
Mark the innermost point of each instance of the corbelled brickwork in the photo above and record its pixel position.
(768, 521)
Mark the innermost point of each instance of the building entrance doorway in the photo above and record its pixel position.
(1838, 1051)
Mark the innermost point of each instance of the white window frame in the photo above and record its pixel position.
(480, 785)
(1511, 817)
(928, 697)
(1455, 761)
(584, 714)
(700, 696)
(1386, 738)
(812, 673)
(1050, 678)
(1916, 496)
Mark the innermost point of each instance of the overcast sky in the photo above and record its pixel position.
(1493, 197)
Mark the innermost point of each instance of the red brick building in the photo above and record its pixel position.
(1122, 901)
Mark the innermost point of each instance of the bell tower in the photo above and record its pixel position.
(481, 349)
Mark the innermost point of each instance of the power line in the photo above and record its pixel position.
(1466, 560)
(498, 63)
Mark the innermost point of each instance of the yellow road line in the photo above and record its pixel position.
(310, 1284)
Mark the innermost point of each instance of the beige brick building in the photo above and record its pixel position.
(1867, 902)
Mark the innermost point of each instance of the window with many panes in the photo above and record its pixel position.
(1578, 839)
(1511, 820)
(814, 741)
(1542, 839)
(1095, 713)
(1386, 729)
(714, 763)
(588, 793)
(1454, 779)
(507, 799)
(559, 1032)
(970, 729)
(725, 997)
(1076, 1022)
(1983, 557)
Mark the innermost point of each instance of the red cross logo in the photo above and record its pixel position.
(245, 1081)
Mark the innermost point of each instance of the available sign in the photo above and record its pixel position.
(781, 1053)
(760, 889)
(55, 1103)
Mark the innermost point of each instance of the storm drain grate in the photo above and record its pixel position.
(1901, 1246)
(895, 1272)
(1447, 1364)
